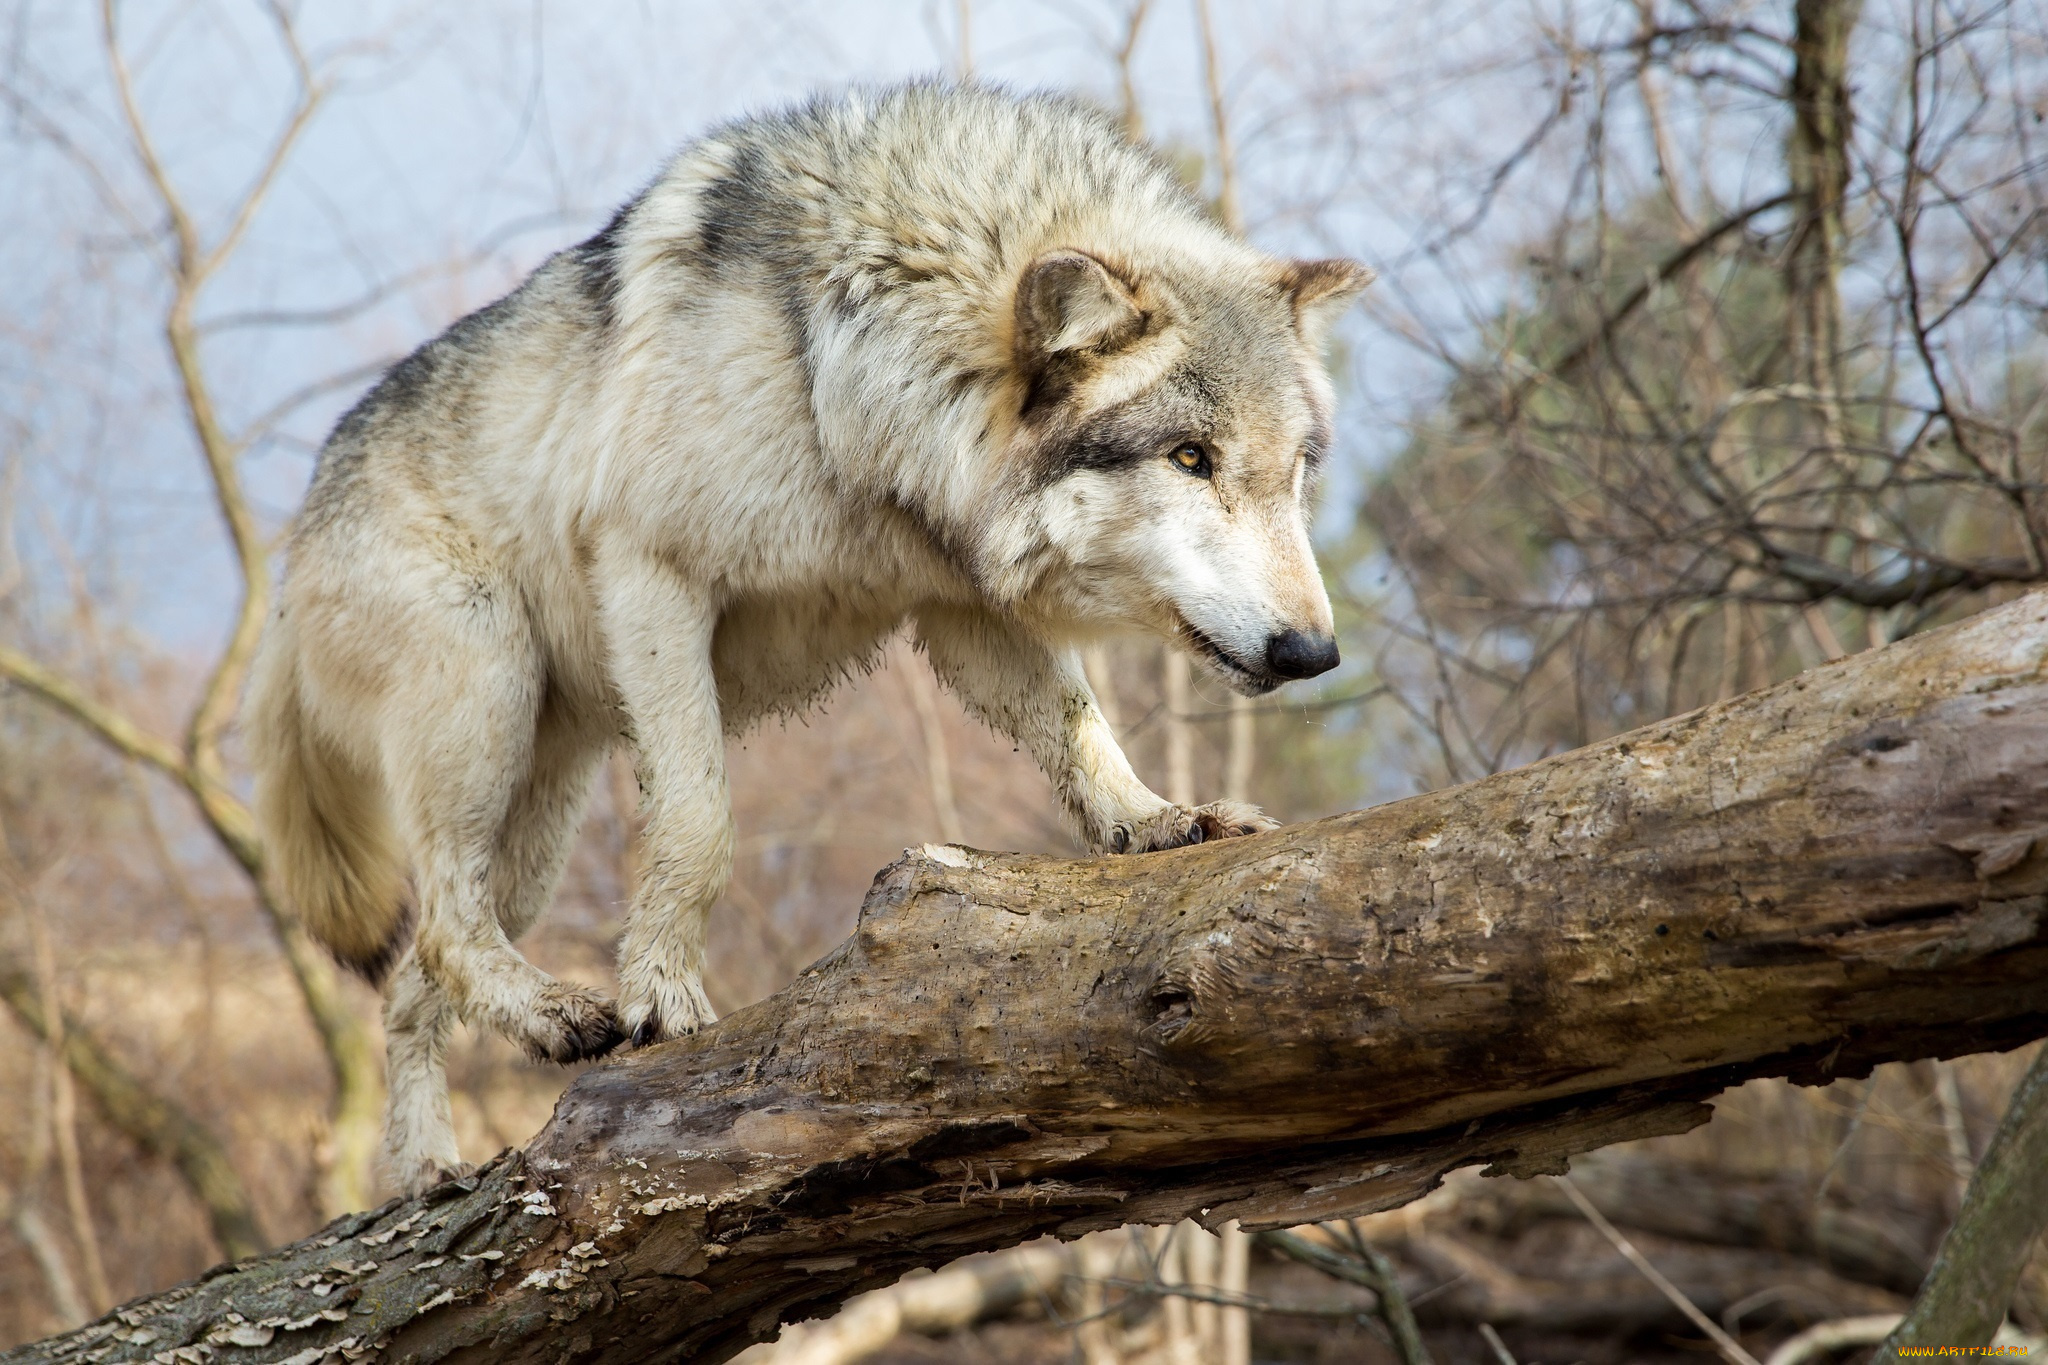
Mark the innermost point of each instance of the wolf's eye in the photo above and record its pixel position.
(1192, 459)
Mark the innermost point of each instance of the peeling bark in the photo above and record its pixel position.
(1840, 871)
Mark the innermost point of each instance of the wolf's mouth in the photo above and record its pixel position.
(1245, 678)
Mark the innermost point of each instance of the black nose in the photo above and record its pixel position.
(1295, 654)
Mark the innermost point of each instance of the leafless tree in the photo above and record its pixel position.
(1708, 443)
(191, 255)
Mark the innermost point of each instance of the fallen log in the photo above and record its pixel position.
(1321, 1021)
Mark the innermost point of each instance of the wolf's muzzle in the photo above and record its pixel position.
(1296, 654)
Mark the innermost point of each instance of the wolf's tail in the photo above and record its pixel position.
(326, 828)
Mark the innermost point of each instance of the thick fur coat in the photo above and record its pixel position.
(932, 355)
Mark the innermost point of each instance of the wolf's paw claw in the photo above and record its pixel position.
(571, 1025)
(667, 1007)
(1231, 820)
(1180, 826)
(417, 1175)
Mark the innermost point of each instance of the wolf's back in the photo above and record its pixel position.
(327, 836)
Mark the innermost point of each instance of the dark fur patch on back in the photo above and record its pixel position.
(735, 219)
(407, 383)
(747, 221)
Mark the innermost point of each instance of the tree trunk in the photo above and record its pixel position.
(1316, 1022)
(1817, 164)
(1970, 1289)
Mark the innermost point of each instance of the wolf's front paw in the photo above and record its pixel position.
(1179, 826)
(655, 1006)
(569, 1024)
(1232, 820)
(420, 1156)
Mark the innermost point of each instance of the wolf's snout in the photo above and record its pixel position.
(1298, 654)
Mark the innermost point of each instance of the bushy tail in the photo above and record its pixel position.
(326, 829)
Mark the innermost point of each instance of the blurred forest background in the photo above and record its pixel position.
(1709, 347)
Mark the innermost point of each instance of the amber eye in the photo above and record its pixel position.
(1191, 459)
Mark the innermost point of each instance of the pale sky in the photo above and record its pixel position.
(466, 140)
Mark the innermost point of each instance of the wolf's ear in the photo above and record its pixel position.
(1322, 290)
(1069, 301)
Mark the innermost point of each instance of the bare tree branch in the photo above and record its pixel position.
(2004, 1213)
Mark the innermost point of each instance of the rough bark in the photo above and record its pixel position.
(1315, 1022)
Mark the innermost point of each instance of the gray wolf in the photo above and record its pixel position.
(931, 355)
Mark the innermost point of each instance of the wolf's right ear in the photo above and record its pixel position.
(1321, 291)
(1069, 301)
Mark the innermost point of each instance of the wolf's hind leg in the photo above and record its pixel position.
(1037, 694)
(419, 1130)
(419, 1134)
(460, 752)
(658, 630)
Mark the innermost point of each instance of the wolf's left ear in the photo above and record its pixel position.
(1069, 301)
(1322, 290)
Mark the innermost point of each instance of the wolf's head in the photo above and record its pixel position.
(1172, 419)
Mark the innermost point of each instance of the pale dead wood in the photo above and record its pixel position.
(1310, 1024)
(930, 1305)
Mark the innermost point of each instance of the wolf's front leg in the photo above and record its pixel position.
(1038, 695)
(658, 630)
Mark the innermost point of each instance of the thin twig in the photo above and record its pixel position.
(1728, 1346)
(1395, 1309)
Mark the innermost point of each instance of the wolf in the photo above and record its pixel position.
(939, 356)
